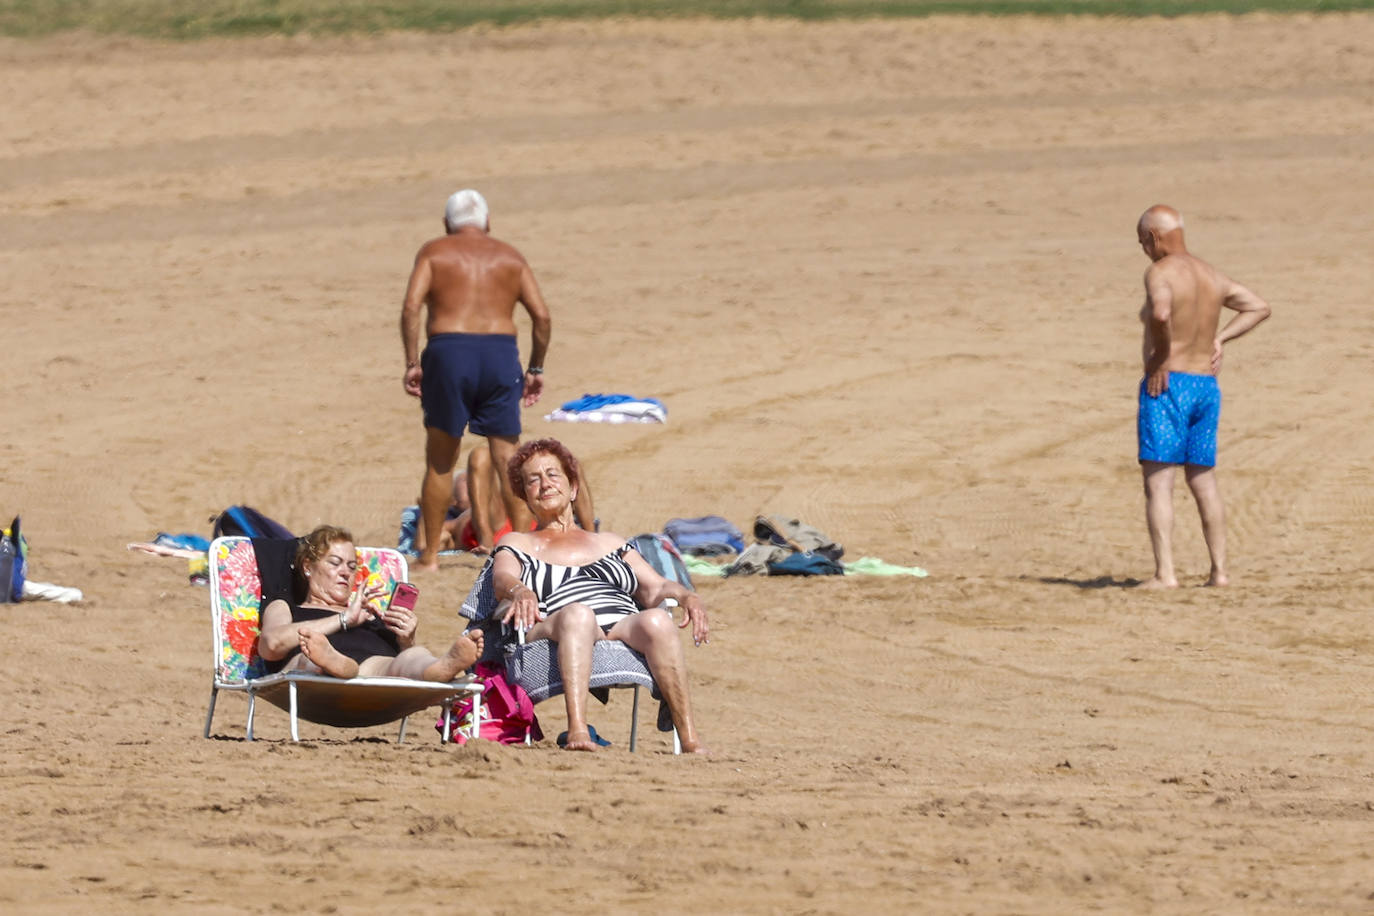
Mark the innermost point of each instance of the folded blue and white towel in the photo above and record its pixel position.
(611, 408)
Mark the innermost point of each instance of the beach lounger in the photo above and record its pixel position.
(236, 588)
(534, 665)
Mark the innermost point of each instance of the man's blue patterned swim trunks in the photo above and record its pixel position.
(1180, 426)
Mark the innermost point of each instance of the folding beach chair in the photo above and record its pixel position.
(534, 665)
(236, 589)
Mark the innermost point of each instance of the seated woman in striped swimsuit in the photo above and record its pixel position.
(575, 587)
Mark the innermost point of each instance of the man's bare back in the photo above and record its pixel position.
(1191, 285)
(473, 285)
(1184, 296)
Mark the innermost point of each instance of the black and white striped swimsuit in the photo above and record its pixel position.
(607, 585)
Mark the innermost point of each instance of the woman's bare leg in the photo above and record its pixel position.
(575, 631)
(418, 663)
(653, 634)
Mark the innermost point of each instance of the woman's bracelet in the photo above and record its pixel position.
(343, 621)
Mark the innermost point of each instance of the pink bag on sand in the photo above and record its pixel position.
(507, 712)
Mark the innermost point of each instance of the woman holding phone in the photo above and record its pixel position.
(331, 633)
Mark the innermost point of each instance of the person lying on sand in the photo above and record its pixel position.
(575, 587)
(329, 633)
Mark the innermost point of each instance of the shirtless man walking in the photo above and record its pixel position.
(1180, 401)
(469, 376)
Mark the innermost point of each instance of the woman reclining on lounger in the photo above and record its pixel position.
(575, 587)
(328, 633)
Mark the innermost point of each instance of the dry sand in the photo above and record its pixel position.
(885, 277)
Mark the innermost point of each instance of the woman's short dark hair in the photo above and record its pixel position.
(541, 447)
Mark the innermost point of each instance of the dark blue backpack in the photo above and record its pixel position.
(242, 520)
(806, 564)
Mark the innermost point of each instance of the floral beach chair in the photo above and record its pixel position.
(360, 702)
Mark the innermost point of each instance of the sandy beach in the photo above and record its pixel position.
(885, 277)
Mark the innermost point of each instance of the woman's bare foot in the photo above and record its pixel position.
(462, 655)
(579, 741)
(1155, 582)
(1218, 579)
(315, 646)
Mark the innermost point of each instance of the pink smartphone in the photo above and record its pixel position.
(404, 596)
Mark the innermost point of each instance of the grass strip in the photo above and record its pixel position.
(193, 19)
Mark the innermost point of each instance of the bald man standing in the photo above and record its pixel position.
(1180, 401)
(469, 376)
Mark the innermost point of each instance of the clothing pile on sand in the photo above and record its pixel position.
(712, 546)
(15, 585)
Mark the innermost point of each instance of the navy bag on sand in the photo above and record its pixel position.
(243, 520)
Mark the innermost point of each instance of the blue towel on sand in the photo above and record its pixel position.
(597, 401)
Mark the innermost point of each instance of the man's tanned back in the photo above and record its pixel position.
(1194, 290)
(475, 285)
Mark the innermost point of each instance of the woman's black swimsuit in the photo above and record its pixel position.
(358, 643)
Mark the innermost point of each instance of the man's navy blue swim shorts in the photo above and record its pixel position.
(472, 381)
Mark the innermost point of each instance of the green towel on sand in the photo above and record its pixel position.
(872, 566)
(698, 567)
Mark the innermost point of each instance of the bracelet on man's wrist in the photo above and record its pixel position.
(343, 621)
(535, 370)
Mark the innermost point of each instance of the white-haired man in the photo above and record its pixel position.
(469, 375)
(1180, 402)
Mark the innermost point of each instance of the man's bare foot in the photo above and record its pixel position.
(426, 565)
(579, 741)
(1218, 579)
(479, 551)
(1155, 582)
(695, 748)
(315, 646)
(460, 656)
